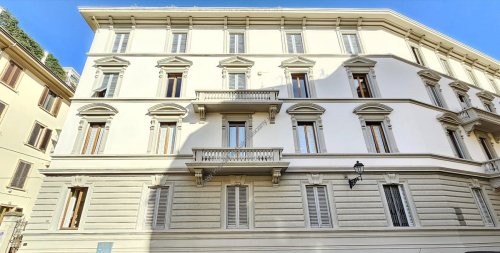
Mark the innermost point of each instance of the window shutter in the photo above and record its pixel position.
(299, 45)
(175, 43)
(311, 207)
(355, 44)
(241, 81)
(2, 108)
(243, 207)
(232, 81)
(183, 42)
(323, 207)
(232, 42)
(289, 42)
(15, 76)
(8, 72)
(34, 134)
(317, 204)
(44, 96)
(20, 175)
(57, 106)
(116, 44)
(231, 207)
(156, 211)
(113, 78)
(241, 43)
(124, 44)
(46, 138)
(396, 208)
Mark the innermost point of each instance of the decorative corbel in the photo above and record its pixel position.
(96, 22)
(282, 23)
(315, 178)
(79, 180)
(407, 35)
(132, 20)
(448, 53)
(421, 39)
(225, 23)
(391, 178)
(474, 183)
(247, 26)
(304, 21)
(273, 110)
(360, 20)
(190, 22)
(169, 24)
(198, 174)
(337, 24)
(276, 176)
(202, 112)
(111, 24)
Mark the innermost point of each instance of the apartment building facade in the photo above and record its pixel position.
(236, 130)
(33, 106)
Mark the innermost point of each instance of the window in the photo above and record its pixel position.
(21, 175)
(237, 134)
(300, 87)
(435, 94)
(4, 210)
(11, 74)
(156, 212)
(317, 206)
(50, 102)
(351, 43)
(455, 143)
(40, 137)
(377, 135)
(2, 109)
(446, 66)
(464, 101)
(488, 107)
(494, 85)
(418, 57)
(93, 139)
(236, 43)
(121, 41)
(398, 205)
(166, 138)
(174, 85)
(488, 150)
(237, 81)
(362, 85)
(483, 207)
(237, 206)
(179, 43)
(294, 43)
(107, 87)
(74, 208)
(471, 75)
(307, 137)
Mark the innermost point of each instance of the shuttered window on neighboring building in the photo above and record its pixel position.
(40, 137)
(11, 74)
(397, 203)
(121, 42)
(156, 212)
(317, 206)
(21, 175)
(294, 43)
(179, 41)
(483, 207)
(236, 43)
(50, 101)
(237, 206)
(237, 81)
(2, 109)
(74, 208)
(107, 87)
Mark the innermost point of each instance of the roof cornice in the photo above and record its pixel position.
(389, 19)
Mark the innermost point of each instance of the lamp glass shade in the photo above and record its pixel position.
(359, 167)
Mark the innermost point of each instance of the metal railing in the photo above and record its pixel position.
(237, 95)
(472, 113)
(217, 155)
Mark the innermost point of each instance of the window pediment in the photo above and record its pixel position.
(298, 61)
(111, 61)
(359, 61)
(429, 75)
(449, 118)
(485, 95)
(174, 61)
(461, 86)
(167, 109)
(236, 61)
(372, 108)
(98, 109)
(305, 108)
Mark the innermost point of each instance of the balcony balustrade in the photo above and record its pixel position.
(227, 101)
(477, 119)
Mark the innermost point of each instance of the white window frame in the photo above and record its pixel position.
(10, 186)
(227, 40)
(487, 205)
(493, 83)
(442, 59)
(284, 35)
(342, 44)
(375, 112)
(318, 207)
(431, 81)
(311, 113)
(489, 144)
(112, 36)
(250, 202)
(366, 66)
(247, 118)
(471, 76)
(4, 112)
(120, 45)
(171, 40)
(420, 52)
(157, 180)
(409, 206)
(236, 64)
(93, 113)
(111, 64)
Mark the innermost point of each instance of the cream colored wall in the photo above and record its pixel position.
(15, 128)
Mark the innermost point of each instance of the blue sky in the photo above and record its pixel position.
(59, 28)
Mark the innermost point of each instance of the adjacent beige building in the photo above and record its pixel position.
(236, 130)
(33, 107)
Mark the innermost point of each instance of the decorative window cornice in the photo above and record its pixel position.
(99, 109)
(429, 75)
(460, 86)
(174, 61)
(372, 108)
(485, 95)
(167, 109)
(235, 62)
(111, 61)
(297, 62)
(305, 108)
(449, 118)
(359, 61)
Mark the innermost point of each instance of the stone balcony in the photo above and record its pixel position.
(210, 162)
(492, 167)
(247, 101)
(477, 119)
